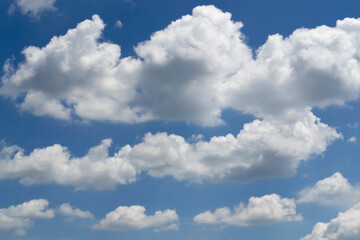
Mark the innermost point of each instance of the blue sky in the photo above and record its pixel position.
(227, 119)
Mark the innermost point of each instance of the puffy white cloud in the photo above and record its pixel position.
(260, 150)
(134, 218)
(20, 217)
(33, 7)
(260, 210)
(70, 212)
(334, 190)
(189, 71)
(54, 164)
(353, 139)
(346, 226)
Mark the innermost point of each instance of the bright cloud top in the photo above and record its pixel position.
(260, 210)
(190, 71)
(21, 217)
(260, 150)
(346, 226)
(70, 212)
(334, 190)
(134, 218)
(33, 7)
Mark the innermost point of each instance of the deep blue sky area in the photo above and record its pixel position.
(140, 19)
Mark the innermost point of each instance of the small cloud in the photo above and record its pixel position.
(353, 139)
(11, 9)
(353, 125)
(70, 212)
(118, 24)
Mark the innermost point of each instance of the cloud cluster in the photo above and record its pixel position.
(190, 71)
(260, 150)
(134, 218)
(260, 210)
(20, 217)
(346, 226)
(334, 190)
(33, 8)
(70, 212)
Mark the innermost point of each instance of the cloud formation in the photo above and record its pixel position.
(260, 210)
(21, 217)
(70, 212)
(346, 226)
(190, 71)
(134, 218)
(334, 190)
(260, 150)
(33, 8)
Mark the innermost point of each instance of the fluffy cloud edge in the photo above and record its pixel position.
(268, 209)
(260, 150)
(345, 226)
(129, 218)
(334, 190)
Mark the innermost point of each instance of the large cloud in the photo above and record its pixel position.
(334, 190)
(260, 210)
(346, 226)
(134, 218)
(19, 218)
(260, 150)
(190, 71)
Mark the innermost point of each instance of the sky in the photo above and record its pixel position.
(153, 119)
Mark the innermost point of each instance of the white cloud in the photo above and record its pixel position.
(190, 71)
(353, 139)
(134, 218)
(346, 226)
(70, 212)
(118, 24)
(54, 164)
(260, 150)
(33, 7)
(334, 190)
(21, 217)
(260, 210)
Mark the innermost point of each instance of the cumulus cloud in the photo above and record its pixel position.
(54, 164)
(134, 218)
(346, 226)
(190, 71)
(70, 212)
(21, 217)
(260, 210)
(260, 150)
(353, 139)
(33, 8)
(334, 190)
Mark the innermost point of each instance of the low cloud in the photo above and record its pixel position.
(190, 71)
(346, 226)
(71, 213)
(21, 217)
(260, 150)
(134, 218)
(268, 209)
(334, 190)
